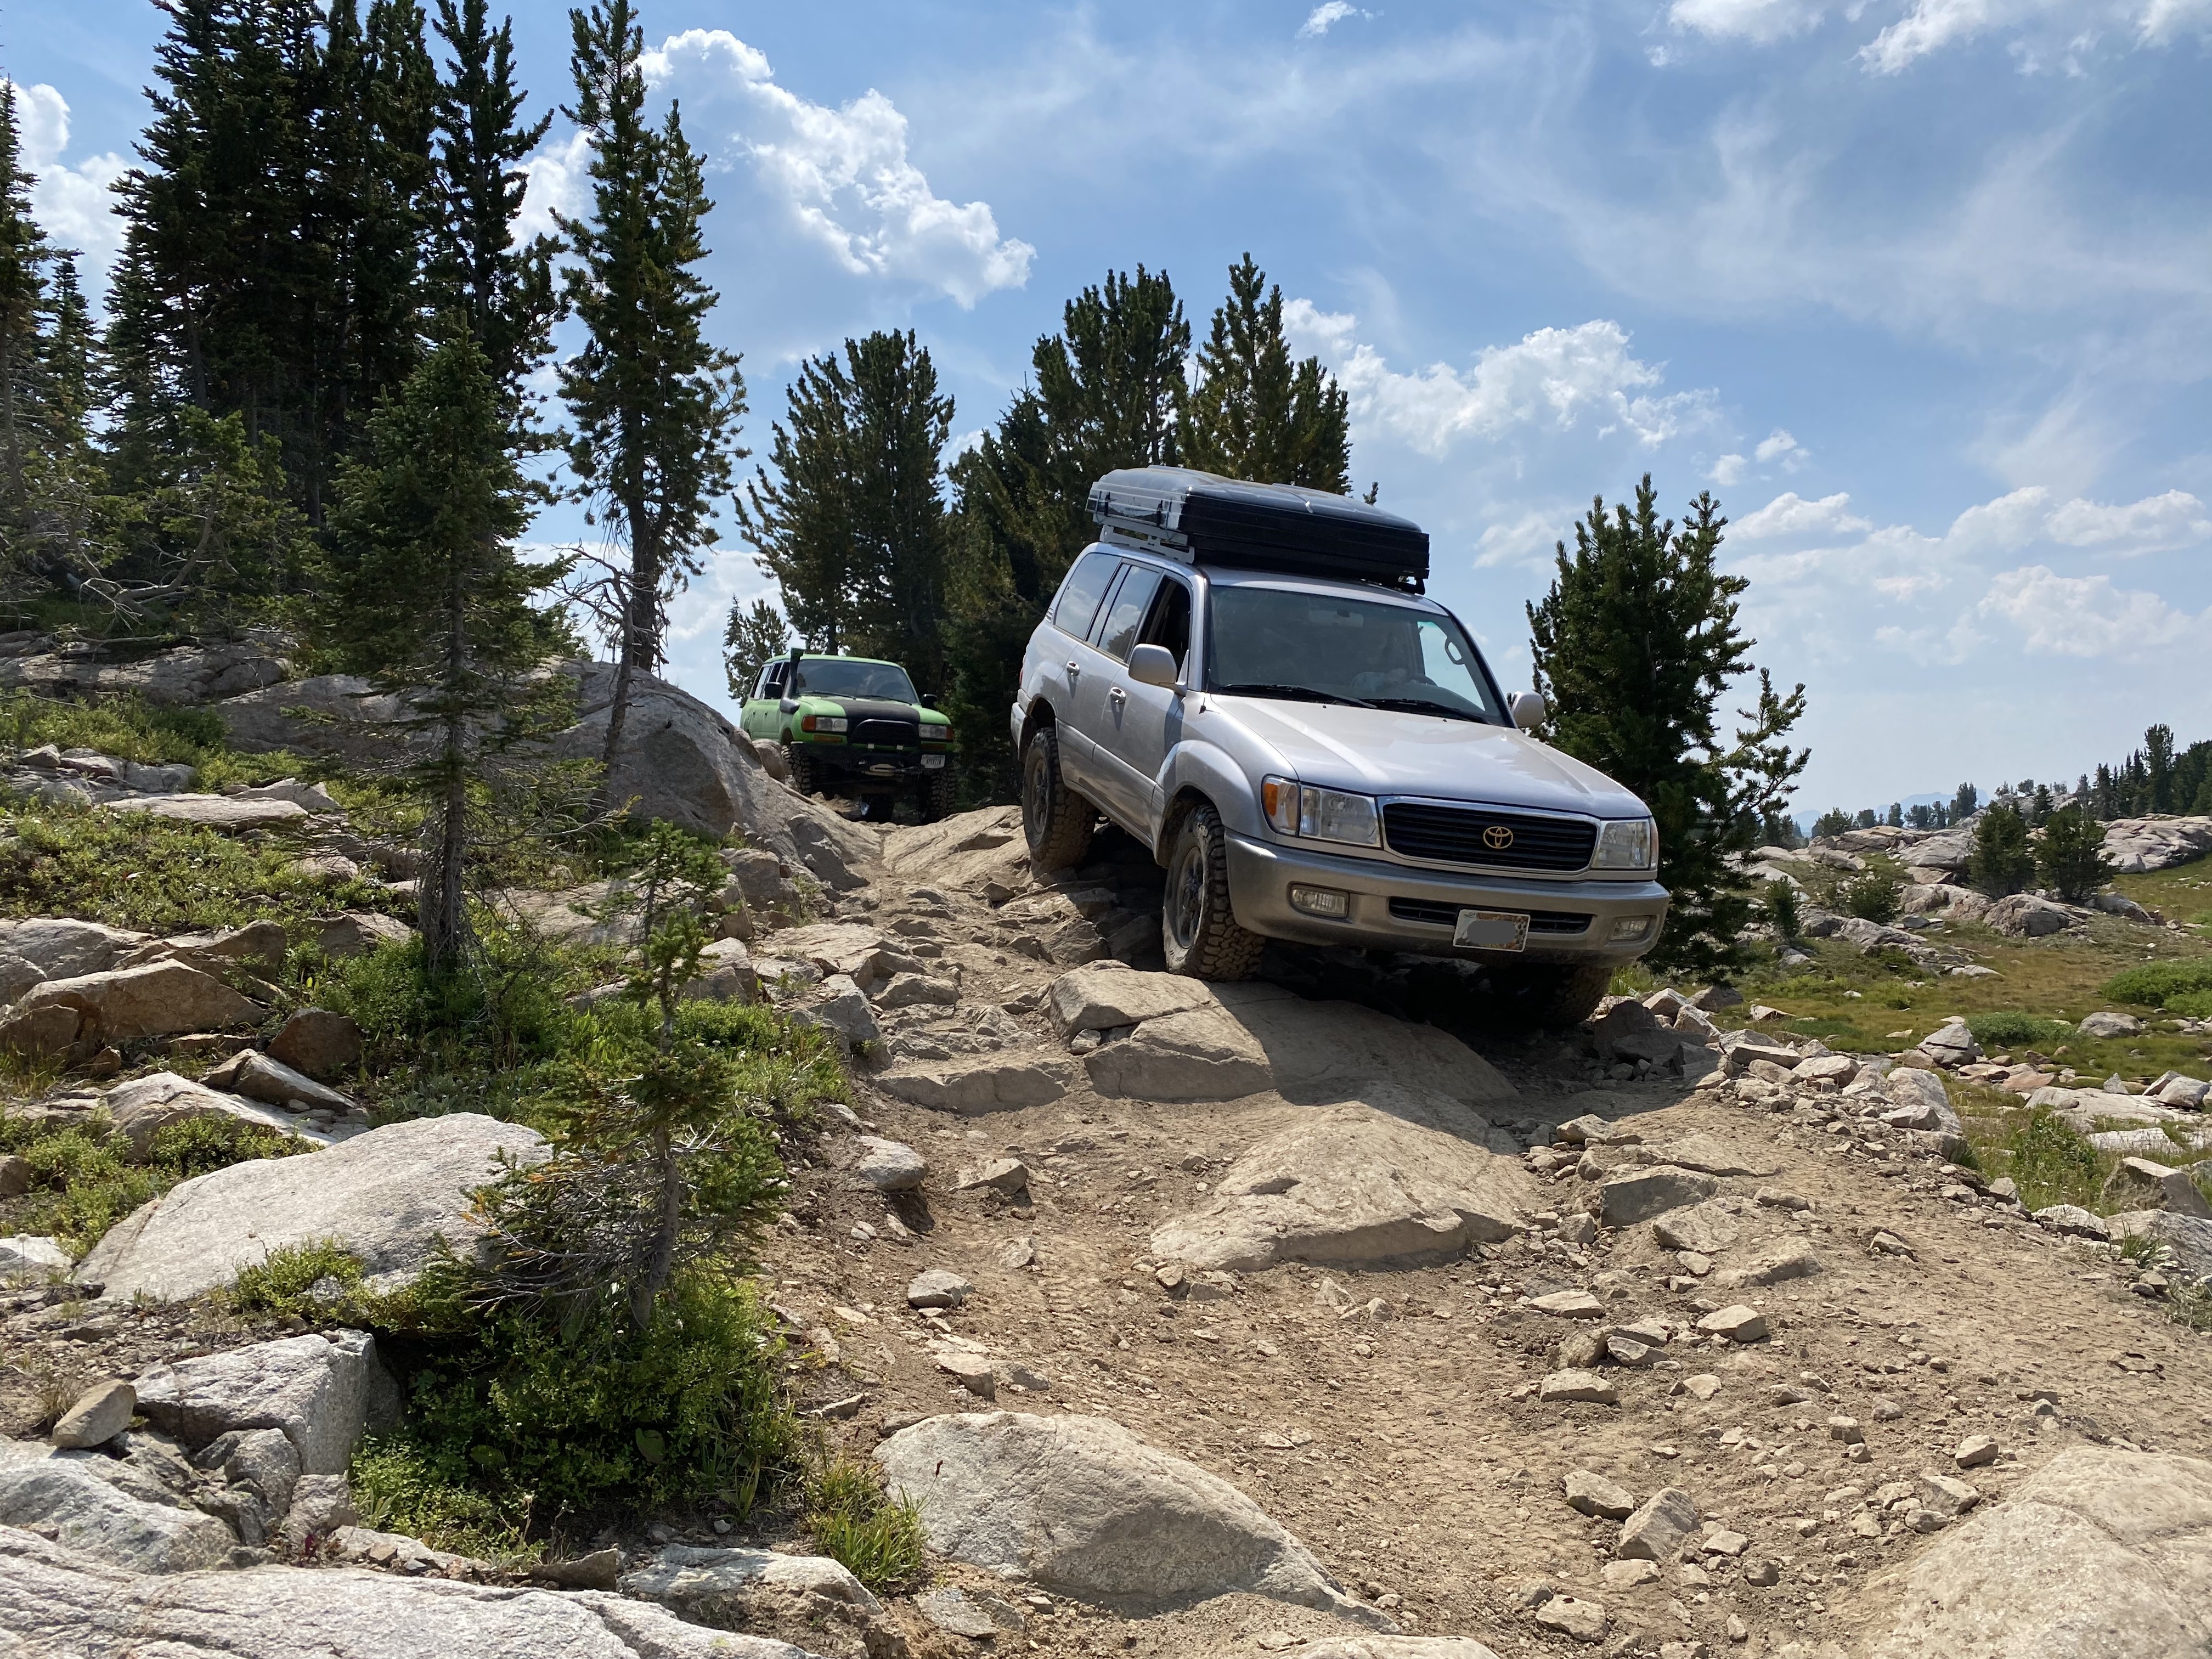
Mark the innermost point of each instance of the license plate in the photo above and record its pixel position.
(1490, 930)
(933, 763)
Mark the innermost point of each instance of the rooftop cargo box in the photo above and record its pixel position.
(1206, 520)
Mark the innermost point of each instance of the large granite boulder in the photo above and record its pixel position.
(88, 1502)
(389, 1196)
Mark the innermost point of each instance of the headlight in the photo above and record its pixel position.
(937, 734)
(1627, 844)
(1319, 814)
(823, 723)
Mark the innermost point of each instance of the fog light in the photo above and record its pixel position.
(1629, 928)
(1321, 902)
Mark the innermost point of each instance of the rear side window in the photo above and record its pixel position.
(1080, 595)
(1131, 600)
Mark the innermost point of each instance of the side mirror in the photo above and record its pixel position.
(1153, 665)
(1529, 709)
(787, 706)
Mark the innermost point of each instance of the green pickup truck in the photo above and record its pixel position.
(853, 727)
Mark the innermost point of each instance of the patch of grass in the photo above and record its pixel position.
(319, 1283)
(878, 1537)
(85, 1178)
(131, 728)
(2051, 1163)
(130, 870)
(2158, 984)
(2011, 1027)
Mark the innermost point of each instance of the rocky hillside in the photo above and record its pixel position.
(1307, 1316)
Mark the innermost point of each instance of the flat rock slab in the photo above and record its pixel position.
(145, 1106)
(1709, 1155)
(388, 1196)
(1105, 995)
(160, 998)
(1326, 1051)
(317, 1391)
(1396, 1176)
(61, 947)
(983, 1084)
(1637, 1195)
(710, 1586)
(81, 1499)
(1201, 1053)
(224, 812)
(56, 1601)
(2100, 1554)
(1086, 1509)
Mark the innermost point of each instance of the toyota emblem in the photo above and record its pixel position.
(1498, 838)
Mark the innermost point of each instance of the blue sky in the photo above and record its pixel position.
(1922, 289)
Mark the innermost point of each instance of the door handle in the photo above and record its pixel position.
(1117, 697)
(1074, 671)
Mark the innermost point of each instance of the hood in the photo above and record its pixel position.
(1385, 751)
(865, 708)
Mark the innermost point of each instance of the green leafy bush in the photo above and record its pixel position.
(2010, 1028)
(545, 1418)
(131, 728)
(398, 1487)
(2002, 861)
(878, 1538)
(1783, 912)
(504, 1011)
(2157, 984)
(1875, 895)
(2069, 854)
(319, 1282)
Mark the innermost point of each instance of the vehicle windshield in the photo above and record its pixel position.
(843, 677)
(1273, 641)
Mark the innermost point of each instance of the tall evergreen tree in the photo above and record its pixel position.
(1105, 397)
(434, 606)
(655, 406)
(1635, 645)
(24, 256)
(1256, 414)
(2158, 767)
(853, 525)
(503, 290)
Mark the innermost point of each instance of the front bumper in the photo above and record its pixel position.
(1396, 909)
(884, 768)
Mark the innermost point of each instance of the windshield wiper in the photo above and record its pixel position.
(1425, 706)
(1305, 693)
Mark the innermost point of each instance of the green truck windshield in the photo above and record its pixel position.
(837, 676)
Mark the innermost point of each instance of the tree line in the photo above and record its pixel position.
(2155, 778)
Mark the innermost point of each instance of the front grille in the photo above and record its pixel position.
(1554, 922)
(887, 734)
(1468, 834)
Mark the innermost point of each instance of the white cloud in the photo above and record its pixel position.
(74, 204)
(2163, 19)
(1558, 378)
(1760, 20)
(1932, 25)
(1528, 539)
(845, 173)
(2087, 616)
(1790, 514)
(2155, 524)
(1729, 471)
(1779, 446)
(558, 181)
(1319, 20)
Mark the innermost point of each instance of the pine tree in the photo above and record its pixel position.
(24, 256)
(2158, 767)
(1105, 397)
(503, 291)
(655, 406)
(853, 527)
(1635, 645)
(753, 638)
(2069, 854)
(434, 605)
(1965, 803)
(2001, 862)
(1254, 413)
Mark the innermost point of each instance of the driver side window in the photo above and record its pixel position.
(771, 680)
(1168, 623)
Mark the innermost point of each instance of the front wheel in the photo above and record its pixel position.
(805, 776)
(933, 796)
(1055, 820)
(1198, 932)
(1549, 995)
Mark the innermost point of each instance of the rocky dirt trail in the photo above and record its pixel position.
(1300, 1245)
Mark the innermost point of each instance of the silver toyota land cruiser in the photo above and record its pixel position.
(1248, 680)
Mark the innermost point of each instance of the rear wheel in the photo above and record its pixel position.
(1198, 932)
(933, 796)
(1548, 994)
(1056, 820)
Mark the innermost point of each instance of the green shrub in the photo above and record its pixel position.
(2052, 1165)
(589, 1416)
(319, 1282)
(2156, 984)
(853, 1520)
(2069, 854)
(1783, 915)
(503, 1011)
(1875, 895)
(397, 1487)
(2012, 1028)
(2002, 861)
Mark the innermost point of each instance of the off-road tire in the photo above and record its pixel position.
(1550, 995)
(1056, 820)
(1199, 932)
(805, 776)
(933, 796)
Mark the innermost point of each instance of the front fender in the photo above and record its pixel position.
(1201, 768)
